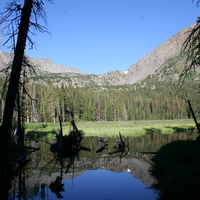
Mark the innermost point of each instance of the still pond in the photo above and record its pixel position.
(92, 175)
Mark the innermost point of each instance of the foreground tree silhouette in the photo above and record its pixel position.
(191, 49)
(20, 20)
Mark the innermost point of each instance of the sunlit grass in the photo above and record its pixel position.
(132, 128)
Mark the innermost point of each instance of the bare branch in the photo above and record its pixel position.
(11, 17)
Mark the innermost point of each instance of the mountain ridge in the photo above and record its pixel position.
(148, 65)
(42, 64)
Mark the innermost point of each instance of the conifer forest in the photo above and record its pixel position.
(153, 101)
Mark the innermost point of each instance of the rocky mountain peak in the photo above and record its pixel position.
(154, 60)
(42, 64)
(148, 65)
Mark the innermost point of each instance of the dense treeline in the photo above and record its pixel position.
(130, 102)
(159, 100)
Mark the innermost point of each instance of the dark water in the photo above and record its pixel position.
(91, 175)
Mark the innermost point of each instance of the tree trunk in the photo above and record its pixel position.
(5, 133)
(35, 115)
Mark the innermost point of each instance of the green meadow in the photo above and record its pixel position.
(112, 128)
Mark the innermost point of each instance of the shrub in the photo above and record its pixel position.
(176, 170)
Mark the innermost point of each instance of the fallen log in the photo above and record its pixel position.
(117, 151)
(102, 148)
(82, 147)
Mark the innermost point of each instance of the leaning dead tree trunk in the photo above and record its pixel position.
(16, 69)
(6, 127)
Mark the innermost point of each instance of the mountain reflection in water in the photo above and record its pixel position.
(95, 176)
(103, 184)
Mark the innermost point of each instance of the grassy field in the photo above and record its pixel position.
(132, 128)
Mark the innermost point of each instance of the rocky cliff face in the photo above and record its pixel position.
(151, 64)
(155, 59)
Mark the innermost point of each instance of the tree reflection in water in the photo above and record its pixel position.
(40, 176)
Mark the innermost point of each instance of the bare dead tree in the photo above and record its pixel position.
(21, 24)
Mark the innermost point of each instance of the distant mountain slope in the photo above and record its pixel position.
(79, 80)
(40, 63)
(156, 65)
(5, 58)
(155, 59)
(50, 66)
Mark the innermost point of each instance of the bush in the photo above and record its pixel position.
(176, 170)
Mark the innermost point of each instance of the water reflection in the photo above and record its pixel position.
(109, 185)
(104, 184)
(93, 175)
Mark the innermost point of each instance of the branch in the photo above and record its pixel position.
(12, 15)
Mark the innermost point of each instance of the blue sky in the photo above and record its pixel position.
(98, 36)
